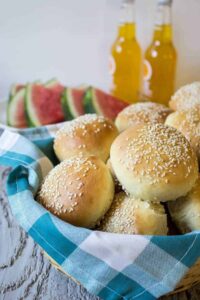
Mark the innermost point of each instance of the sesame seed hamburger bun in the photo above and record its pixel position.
(144, 112)
(130, 215)
(154, 162)
(188, 123)
(79, 190)
(87, 135)
(187, 97)
(185, 211)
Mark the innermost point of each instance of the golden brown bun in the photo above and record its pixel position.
(133, 216)
(154, 162)
(87, 135)
(188, 123)
(187, 97)
(185, 211)
(79, 190)
(144, 112)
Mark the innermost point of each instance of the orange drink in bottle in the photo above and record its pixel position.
(126, 57)
(160, 58)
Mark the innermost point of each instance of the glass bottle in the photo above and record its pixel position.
(160, 58)
(126, 57)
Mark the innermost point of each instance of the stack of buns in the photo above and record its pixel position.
(185, 103)
(121, 177)
(80, 189)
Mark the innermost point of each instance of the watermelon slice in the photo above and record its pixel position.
(43, 103)
(16, 116)
(97, 101)
(72, 102)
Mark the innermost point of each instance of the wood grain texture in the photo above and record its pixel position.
(26, 274)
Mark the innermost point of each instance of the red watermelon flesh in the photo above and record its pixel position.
(47, 103)
(57, 87)
(58, 90)
(77, 96)
(109, 105)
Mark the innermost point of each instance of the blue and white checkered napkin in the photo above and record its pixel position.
(112, 266)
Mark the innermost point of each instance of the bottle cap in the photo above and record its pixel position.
(165, 2)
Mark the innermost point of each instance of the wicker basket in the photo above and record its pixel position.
(191, 278)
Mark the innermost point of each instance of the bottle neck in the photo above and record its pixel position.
(163, 25)
(127, 27)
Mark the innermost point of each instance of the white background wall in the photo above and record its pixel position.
(70, 39)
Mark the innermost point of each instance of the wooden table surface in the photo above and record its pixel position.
(26, 274)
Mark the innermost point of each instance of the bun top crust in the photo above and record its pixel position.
(188, 123)
(88, 135)
(144, 112)
(79, 190)
(154, 162)
(186, 97)
(133, 216)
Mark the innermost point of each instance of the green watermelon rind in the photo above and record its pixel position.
(29, 109)
(12, 94)
(12, 101)
(88, 104)
(91, 102)
(65, 106)
(51, 83)
(70, 101)
(12, 91)
(12, 98)
(97, 108)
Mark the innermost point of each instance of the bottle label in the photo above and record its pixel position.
(112, 65)
(147, 70)
(147, 74)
